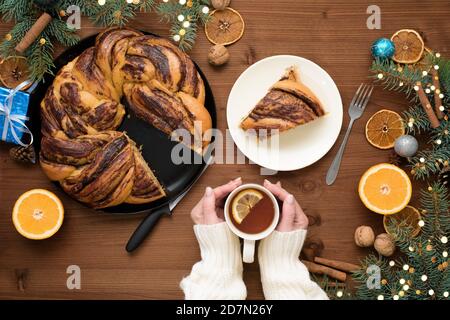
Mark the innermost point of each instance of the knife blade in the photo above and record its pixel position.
(152, 218)
(174, 203)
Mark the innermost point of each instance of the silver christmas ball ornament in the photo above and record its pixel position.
(406, 146)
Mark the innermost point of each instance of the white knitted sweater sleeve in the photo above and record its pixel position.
(283, 275)
(219, 274)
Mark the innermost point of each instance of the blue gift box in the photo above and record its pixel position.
(17, 115)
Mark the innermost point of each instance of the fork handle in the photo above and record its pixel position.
(334, 168)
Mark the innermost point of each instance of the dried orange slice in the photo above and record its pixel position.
(14, 71)
(38, 214)
(383, 128)
(385, 189)
(407, 219)
(224, 26)
(409, 46)
(243, 202)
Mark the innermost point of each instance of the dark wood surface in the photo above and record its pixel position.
(332, 34)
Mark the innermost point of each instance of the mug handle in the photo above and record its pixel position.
(249, 251)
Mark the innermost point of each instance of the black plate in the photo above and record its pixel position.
(156, 146)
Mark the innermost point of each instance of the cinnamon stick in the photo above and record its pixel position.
(426, 105)
(340, 265)
(319, 269)
(34, 32)
(437, 92)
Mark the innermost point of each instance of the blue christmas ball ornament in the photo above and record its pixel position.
(383, 48)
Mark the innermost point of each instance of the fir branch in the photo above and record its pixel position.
(17, 33)
(170, 11)
(59, 30)
(429, 162)
(40, 58)
(416, 120)
(16, 9)
(395, 77)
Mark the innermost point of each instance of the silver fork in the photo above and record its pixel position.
(355, 111)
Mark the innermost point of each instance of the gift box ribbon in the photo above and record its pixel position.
(15, 122)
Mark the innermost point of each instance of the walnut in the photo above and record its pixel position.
(220, 4)
(218, 55)
(364, 236)
(384, 244)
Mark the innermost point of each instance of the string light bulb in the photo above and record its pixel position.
(205, 9)
(431, 292)
(182, 32)
(444, 239)
(180, 18)
(402, 281)
(177, 37)
(182, 2)
(421, 223)
(186, 24)
(424, 277)
(436, 67)
(129, 1)
(445, 294)
(380, 297)
(445, 254)
(396, 297)
(339, 294)
(405, 267)
(380, 76)
(392, 263)
(101, 2)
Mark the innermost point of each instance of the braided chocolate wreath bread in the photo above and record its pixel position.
(82, 110)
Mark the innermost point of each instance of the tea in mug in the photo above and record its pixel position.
(251, 211)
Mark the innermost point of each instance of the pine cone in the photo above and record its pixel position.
(23, 154)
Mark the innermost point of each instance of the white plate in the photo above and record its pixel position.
(300, 146)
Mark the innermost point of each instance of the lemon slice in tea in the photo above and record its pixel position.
(243, 202)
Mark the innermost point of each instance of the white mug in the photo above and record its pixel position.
(250, 238)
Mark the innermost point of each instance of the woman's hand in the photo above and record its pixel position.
(292, 216)
(209, 210)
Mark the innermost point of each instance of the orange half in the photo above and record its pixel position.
(38, 214)
(385, 189)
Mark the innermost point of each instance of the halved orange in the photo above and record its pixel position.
(408, 218)
(243, 202)
(383, 128)
(38, 214)
(224, 26)
(385, 189)
(409, 46)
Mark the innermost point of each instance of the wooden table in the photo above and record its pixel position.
(331, 33)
